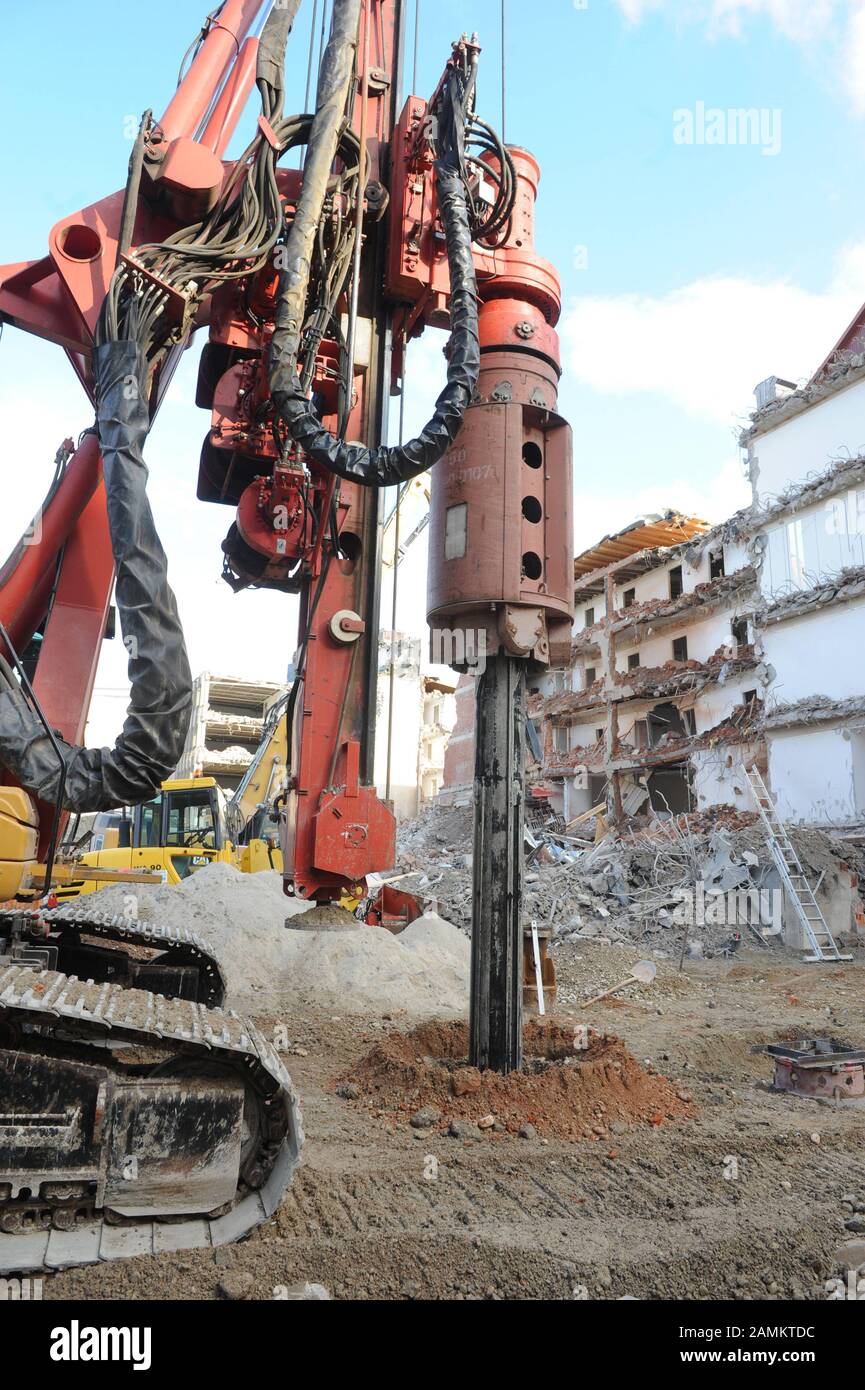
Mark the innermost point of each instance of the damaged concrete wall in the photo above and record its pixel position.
(407, 711)
(806, 442)
(812, 776)
(704, 637)
(717, 776)
(459, 764)
(816, 541)
(818, 653)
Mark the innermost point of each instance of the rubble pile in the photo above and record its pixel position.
(659, 884)
(650, 682)
(242, 917)
(703, 595)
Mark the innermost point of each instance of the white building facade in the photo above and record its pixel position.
(806, 456)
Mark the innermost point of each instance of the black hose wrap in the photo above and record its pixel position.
(333, 88)
(270, 60)
(385, 465)
(153, 736)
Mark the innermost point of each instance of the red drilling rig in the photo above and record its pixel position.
(309, 284)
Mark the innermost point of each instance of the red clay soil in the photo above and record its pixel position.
(566, 1092)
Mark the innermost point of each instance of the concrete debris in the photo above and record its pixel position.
(815, 709)
(650, 682)
(669, 883)
(701, 596)
(847, 368)
(235, 756)
(843, 587)
(304, 1291)
(236, 1285)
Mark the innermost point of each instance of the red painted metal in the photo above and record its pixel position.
(232, 99)
(72, 641)
(500, 572)
(31, 569)
(392, 909)
(210, 67)
(336, 828)
(417, 268)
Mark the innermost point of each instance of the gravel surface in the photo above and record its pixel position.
(740, 1202)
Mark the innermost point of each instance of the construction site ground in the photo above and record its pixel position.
(742, 1199)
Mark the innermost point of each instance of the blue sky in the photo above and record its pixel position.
(708, 266)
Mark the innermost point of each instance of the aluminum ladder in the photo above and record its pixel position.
(799, 892)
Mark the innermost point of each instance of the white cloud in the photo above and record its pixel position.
(707, 345)
(796, 19)
(837, 25)
(712, 497)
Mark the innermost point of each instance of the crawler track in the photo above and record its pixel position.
(55, 1018)
(178, 945)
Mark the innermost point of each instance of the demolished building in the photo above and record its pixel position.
(415, 713)
(806, 458)
(698, 651)
(228, 715)
(660, 702)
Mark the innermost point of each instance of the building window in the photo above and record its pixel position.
(589, 618)
(641, 733)
(633, 660)
(676, 585)
(560, 737)
(629, 597)
(739, 627)
(151, 818)
(558, 681)
(590, 676)
(716, 564)
(689, 720)
(599, 735)
(749, 697)
(680, 649)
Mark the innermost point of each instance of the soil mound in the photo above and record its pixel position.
(569, 1088)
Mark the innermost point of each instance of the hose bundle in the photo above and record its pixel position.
(385, 465)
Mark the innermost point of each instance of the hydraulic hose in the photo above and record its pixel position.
(153, 736)
(385, 465)
(128, 342)
(333, 88)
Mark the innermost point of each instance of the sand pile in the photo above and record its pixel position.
(561, 1092)
(424, 970)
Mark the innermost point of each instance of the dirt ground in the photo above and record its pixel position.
(742, 1200)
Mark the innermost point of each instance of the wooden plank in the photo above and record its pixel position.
(71, 873)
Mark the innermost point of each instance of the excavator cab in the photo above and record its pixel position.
(176, 832)
(192, 823)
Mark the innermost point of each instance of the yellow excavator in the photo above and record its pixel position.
(190, 823)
